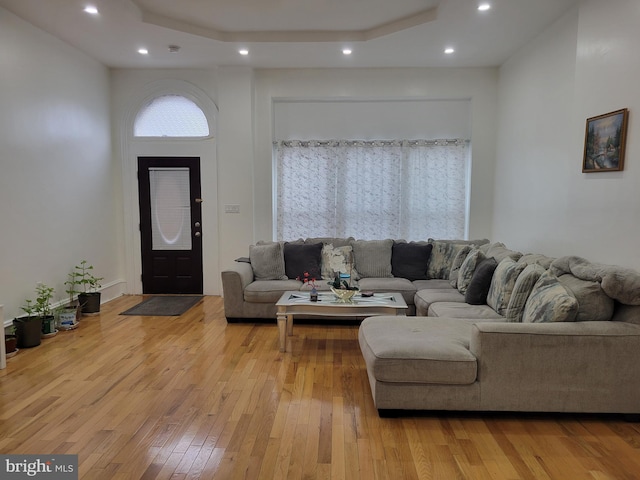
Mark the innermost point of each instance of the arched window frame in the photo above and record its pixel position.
(149, 105)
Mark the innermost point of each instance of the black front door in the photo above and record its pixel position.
(170, 224)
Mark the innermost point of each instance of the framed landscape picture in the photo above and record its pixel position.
(604, 142)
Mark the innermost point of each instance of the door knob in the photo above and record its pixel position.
(197, 234)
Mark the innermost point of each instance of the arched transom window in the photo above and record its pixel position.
(171, 116)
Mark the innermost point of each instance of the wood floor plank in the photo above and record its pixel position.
(193, 397)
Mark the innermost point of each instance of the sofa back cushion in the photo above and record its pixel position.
(499, 251)
(410, 260)
(267, 261)
(549, 301)
(300, 259)
(478, 288)
(521, 291)
(373, 257)
(593, 304)
(502, 283)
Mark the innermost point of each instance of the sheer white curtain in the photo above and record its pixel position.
(371, 189)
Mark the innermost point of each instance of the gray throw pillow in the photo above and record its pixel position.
(468, 267)
(521, 291)
(410, 260)
(502, 283)
(373, 257)
(300, 259)
(549, 302)
(478, 288)
(267, 261)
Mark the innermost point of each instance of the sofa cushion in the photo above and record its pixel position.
(593, 304)
(302, 258)
(502, 283)
(410, 260)
(499, 251)
(400, 285)
(434, 283)
(478, 288)
(418, 350)
(424, 298)
(549, 301)
(268, 291)
(267, 261)
(521, 291)
(463, 310)
(538, 258)
(373, 257)
(337, 259)
(442, 257)
(468, 268)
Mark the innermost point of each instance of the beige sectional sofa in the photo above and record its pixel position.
(489, 329)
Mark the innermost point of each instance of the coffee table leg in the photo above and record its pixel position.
(289, 325)
(282, 331)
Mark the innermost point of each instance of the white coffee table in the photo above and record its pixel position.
(298, 303)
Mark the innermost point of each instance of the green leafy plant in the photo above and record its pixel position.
(41, 306)
(83, 277)
(72, 284)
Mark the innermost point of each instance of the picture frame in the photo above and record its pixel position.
(604, 142)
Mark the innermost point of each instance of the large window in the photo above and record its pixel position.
(371, 189)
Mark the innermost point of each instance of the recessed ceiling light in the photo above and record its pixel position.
(143, 51)
(483, 7)
(346, 51)
(449, 50)
(243, 51)
(91, 9)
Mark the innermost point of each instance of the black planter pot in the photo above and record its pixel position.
(28, 330)
(89, 302)
(10, 343)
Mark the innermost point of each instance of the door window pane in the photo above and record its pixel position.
(170, 208)
(171, 116)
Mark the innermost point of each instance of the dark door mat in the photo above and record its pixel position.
(164, 305)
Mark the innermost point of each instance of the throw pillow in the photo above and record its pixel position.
(301, 258)
(549, 302)
(467, 269)
(521, 291)
(410, 260)
(499, 251)
(373, 257)
(480, 282)
(502, 283)
(457, 263)
(593, 304)
(337, 259)
(267, 261)
(442, 257)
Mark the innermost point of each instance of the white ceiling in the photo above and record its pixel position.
(294, 33)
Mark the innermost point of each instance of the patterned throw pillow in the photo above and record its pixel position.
(373, 257)
(442, 257)
(549, 302)
(521, 291)
(502, 283)
(338, 259)
(467, 269)
(267, 261)
(457, 263)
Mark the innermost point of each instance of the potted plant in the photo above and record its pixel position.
(342, 288)
(89, 296)
(39, 320)
(10, 341)
(69, 314)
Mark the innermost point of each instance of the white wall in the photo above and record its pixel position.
(584, 65)
(477, 85)
(58, 201)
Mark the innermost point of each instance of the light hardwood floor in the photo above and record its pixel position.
(193, 397)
